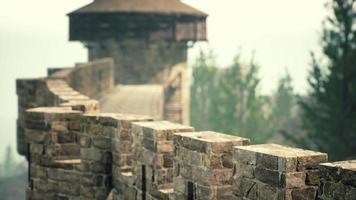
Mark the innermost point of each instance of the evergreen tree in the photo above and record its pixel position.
(283, 103)
(284, 99)
(8, 165)
(245, 110)
(227, 99)
(203, 88)
(329, 110)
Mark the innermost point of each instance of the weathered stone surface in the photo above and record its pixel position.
(306, 159)
(313, 177)
(38, 171)
(266, 192)
(279, 172)
(337, 180)
(244, 156)
(205, 159)
(102, 142)
(268, 176)
(84, 141)
(244, 170)
(63, 175)
(95, 155)
(245, 187)
(35, 136)
(303, 193)
(84, 157)
(154, 149)
(293, 180)
(164, 147)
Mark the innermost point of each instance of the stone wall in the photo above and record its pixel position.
(338, 180)
(31, 93)
(34, 93)
(270, 171)
(93, 79)
(154, 155)
(78, 87)
(158, 62)
(75, 155)
(51, 135)
(138, 61)
(203, 165)
(177, 93)
(64, 87)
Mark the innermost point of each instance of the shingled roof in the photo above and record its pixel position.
(171, 7)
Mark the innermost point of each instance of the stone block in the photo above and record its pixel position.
(282, 158)
(245, 187)
(36, 136)
(267, 176)
(102, 142)
(243, 170)
(63, 175)
(279, 172)
(205, 160)
(337, 180)
(209, 142)
(293, 180)
(302, 193)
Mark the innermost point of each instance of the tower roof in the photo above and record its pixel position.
(170, 7)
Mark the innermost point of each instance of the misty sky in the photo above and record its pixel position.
(34, 36)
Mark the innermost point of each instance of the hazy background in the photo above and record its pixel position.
(34, 36)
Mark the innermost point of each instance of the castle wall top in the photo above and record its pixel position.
(281, 151)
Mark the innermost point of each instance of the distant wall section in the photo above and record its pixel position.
(72, 87)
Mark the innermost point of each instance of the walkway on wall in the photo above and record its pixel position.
(135, 99)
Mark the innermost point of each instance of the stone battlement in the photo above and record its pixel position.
(75, 152)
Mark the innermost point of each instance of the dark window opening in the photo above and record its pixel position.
(29, 167)
(143, 172)
(153, 175)
(191, 191)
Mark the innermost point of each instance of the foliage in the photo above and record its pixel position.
(203, 88)
(329, 110)
(284, 99)
(13, 177)
(228, 100)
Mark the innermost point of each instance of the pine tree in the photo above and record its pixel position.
(227, 99)
(202, 90)
(8, 165)
(244, 106)
(329, 110)
(284, 99)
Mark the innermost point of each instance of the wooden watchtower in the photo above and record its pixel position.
(143, 36)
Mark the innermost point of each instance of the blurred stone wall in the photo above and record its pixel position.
(63, 87)
(138, 61)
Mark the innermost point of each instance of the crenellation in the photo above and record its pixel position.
(202, 165)
(338, 180)
(96, 156)
(274, 171)
(49, 145)
(154, 157)
(74, 155)
(75, 152)
(123, 152)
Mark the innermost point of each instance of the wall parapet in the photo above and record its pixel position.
(75, 152)
(76, 155)
(62, 88)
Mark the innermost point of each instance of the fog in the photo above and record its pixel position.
(34, 36)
